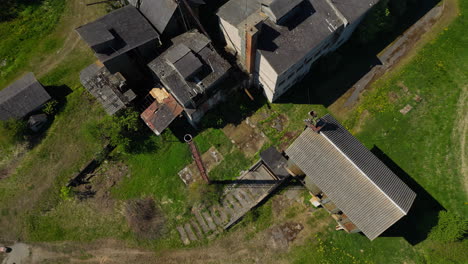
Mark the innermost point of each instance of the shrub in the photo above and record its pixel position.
(450, 228)
(66, 193)
(12, 131)
(50, 108)
(118, 130)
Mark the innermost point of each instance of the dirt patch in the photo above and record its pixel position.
(9, 162)
(97, 190)
(362, 120)
(246, 137)
(211, 159)
(403, 87)
(282, 235)
(393, 97)
(144, 218)
(287, 139)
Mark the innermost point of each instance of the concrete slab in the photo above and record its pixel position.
(189, 231)
(209, 220)
(183, 235)
(202, 223)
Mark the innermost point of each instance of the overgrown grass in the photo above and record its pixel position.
(25, 37)
(425, 143)
(34, 189)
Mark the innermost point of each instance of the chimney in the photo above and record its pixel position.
(252, 28)
(251, 36)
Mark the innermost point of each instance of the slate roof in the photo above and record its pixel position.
(236, 11)
(22, 97)
(280, 8)
(109, 89)
(118, 32)
(158, 116)
(366, 190)
(177, 63)
(275, 161)
(158, 12)
(352, 10)
(284, 45)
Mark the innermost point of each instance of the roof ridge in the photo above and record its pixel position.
(365, 175)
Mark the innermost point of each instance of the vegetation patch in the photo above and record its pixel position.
(25, 36)
(144, 218)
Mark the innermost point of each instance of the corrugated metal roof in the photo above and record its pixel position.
(22, 97)
(159, 116)
(362, 197)
(370, 165)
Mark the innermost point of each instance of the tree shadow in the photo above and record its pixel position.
(423, 215)
(333, 75)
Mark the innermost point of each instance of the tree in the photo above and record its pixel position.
(118, 130)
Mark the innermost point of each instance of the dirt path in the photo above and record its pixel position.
(460, 133)
(75, 15)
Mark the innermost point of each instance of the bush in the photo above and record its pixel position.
(12, 131)
(118, 130)
(50, 108)
(450, 228)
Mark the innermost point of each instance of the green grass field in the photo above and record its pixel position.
(425, 143)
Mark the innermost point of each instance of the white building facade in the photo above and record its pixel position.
(292, 35)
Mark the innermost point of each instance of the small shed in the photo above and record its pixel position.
(37, 122)
(22, 97)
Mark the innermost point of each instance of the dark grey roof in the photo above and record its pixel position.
(236, 11)
(201, 55)
(176, 52)
(158, 12)
(39, 118)
(275, 161)
(280, 8)
(367, 191)
(284, 45)
(22, 97)
(117, 32)
(109, 89)
(188, 65)
(352, 10)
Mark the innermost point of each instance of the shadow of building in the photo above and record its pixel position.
(333, 75)
(422, 217)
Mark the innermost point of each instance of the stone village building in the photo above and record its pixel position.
(190, 73)
(277, 41)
